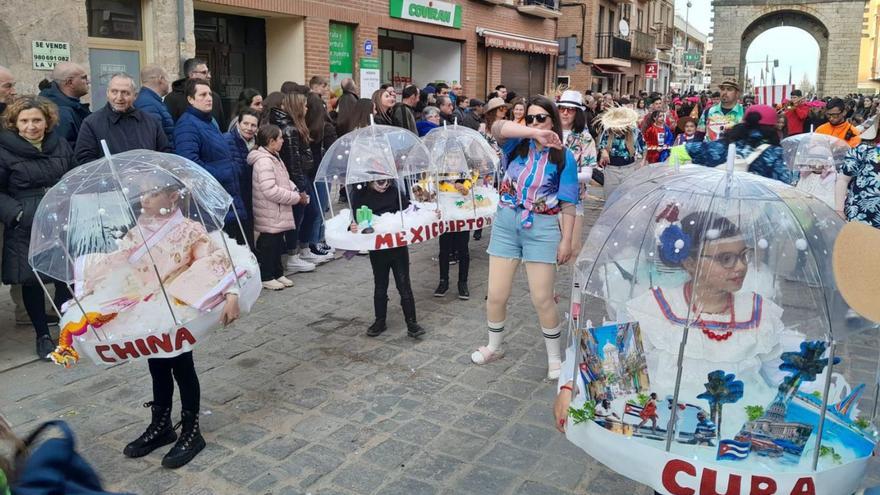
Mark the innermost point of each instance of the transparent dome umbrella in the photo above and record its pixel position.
(95, 206)
(373, 153)
(462, 154)
(670, 240)
(813, 152)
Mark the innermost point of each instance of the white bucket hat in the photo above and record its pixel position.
(571, 99)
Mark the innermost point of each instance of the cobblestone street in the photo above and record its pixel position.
(296, 399)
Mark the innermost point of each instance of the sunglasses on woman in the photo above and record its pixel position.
(540, 118)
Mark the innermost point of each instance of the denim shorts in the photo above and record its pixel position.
(511, 240)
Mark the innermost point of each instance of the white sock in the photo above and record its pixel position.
(551, 341)
(496, 335)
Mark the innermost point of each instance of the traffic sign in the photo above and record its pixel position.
(692, 56)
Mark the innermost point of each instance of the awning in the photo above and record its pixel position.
(509, 41)
(608, 69)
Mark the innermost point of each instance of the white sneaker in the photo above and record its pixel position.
(307, 255)
(273, 285)
(296, 264)
(284, 281)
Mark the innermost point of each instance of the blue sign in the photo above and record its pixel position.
(368, 47)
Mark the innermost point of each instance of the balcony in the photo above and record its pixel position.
(548, 9)
(663, 37)
(643, 46)
(613, 49)
(495, 2)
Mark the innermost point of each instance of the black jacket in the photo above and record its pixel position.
(177, 103)
(379, 203)
(295, 152)
(132, 130)
(471, 120)
(71, 113)
(402, 116)
(26, 173)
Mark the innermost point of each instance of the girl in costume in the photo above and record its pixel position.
(732, 330)
(186, 259)
(658, 137)
(688, 134)
(539, 189)
(381, 196)
(577, 139)
(621, 147)
(455, 243)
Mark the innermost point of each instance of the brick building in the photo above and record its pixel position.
(617, 40)
(262, 43)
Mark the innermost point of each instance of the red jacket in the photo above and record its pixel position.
(796, 117)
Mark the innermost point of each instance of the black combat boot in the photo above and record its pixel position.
(442, 288)
(188, 445)
(377, 327)
(159, 433)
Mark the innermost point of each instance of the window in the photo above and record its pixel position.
(116, 19)
(639, 14)
(611, 17)
(601, 18)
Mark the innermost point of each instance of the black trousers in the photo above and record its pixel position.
(395, 260)
(240, 237)
(34, 300)
(165, 371)
(269, 248)
(455, 242)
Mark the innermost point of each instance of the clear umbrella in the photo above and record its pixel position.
(816, 157)
(724, 303)
(466, 169)
(110, 230)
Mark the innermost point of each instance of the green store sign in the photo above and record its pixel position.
(429, 11)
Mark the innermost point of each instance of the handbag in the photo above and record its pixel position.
(55, 467)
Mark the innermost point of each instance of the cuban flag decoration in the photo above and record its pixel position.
(733, 450)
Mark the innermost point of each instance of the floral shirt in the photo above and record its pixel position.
(583, 148)
(769, 164)
(618, 154)
(863, 197)
(715, 121)
(535, 184)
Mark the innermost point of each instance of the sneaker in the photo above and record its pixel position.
(45, 346)
(273, 285)
(478, 234)
(326, 247)
(463, 292)
(363, 252)
(296, 264)
(453, 258)
(284, 281)
(312, 257)
(442, 288)
(414, 330)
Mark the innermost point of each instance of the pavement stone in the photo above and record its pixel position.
(297, 400)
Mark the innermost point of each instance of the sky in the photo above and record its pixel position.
(778, 43)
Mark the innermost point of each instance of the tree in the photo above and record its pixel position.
(804, 366)
(722, 388)
(806, 85)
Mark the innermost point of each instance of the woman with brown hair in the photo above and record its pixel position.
(384, 100)
(32, 159)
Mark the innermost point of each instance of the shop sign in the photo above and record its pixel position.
(510, 42)
(371, 76)
(341, 50)
(48, 53)
(430, 11)
(651, 70)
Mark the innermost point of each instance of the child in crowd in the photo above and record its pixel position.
(381, 196)
(688, 132)
(658, 137)
(273, 195)
(455, 243)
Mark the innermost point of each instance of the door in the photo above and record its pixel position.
(234, 48)
(523, 73)
(103, 64)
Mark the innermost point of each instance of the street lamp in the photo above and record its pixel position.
(687, 17)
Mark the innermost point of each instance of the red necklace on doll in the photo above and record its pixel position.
(712, 334)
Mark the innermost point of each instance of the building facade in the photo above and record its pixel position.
(622, 44)
(262, 43)
(869, 53)
(689, 57)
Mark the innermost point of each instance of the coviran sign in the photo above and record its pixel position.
(430, 11)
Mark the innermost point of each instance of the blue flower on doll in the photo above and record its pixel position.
(675, 245)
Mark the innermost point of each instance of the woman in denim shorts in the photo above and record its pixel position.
(540, 186)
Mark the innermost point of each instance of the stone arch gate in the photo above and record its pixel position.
(835, 24)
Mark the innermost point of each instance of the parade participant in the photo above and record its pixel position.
(176, 243)
(837, 125)
(757, 146)
(621, 146)
(782, 126)
(455, 243)
(736, 330)
(273, 195)
(496, 111)
(658, 138)
(796, 111)
(723, 115)
(859, 200)
(539, 185)
(688, 132)
(577, 139)
(382, 196)
(33, 158)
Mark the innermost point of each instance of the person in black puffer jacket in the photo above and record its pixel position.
(32, 159)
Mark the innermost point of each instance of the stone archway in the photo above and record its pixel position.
(801, 20)
(835, 24)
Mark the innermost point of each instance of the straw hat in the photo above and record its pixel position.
(619, 119)
(857, 275)
(495, 103)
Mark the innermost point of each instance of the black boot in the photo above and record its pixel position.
(413, 329)
(159, 433)
(188, 445)
(442, 288)
(377, 327)
(463, 292)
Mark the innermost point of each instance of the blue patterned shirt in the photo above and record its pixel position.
(863, 195)
(769, 164)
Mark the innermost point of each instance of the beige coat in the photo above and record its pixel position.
(274, 193)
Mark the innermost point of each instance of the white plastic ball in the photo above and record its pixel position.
(163, 211)
(101, 211)
(679, 244)
(713, 234)
(677, 250)
(801, 244)
(763, 244)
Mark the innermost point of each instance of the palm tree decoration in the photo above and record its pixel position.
(722, 388)
(804, 366)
